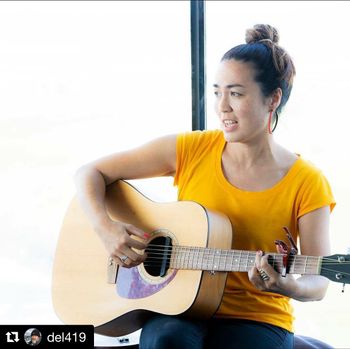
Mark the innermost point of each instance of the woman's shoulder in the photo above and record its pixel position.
(202, 134)
(200, 139)
(290, 160)
(307, 166)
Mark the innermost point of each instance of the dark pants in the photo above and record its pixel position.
(169, 332)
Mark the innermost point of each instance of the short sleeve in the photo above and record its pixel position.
(183, 146)
(190, 148)
(315, 193)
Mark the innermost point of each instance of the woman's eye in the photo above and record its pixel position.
(217, 93)
(235, 94)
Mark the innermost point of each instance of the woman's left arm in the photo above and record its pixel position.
(314, 241)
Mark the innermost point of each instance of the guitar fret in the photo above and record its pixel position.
(306, 265)
(222, 264)
(212, 259)
(172, 259)
(205, 260)
(246, 264)
(199, 252)
(177, 258)
(187, 259)
(195, 258)
(217, 262)
(225, 260)
(239, 261)
(190, 258)
(196, 255)
(183, 258)
(199, 255)
(177, 264)
(231, 261)
(234, 261)
(251, 260)
(222, 258)
(202, 255)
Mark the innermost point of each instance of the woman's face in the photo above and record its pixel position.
(242, 109)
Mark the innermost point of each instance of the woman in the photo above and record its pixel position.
(242, 172)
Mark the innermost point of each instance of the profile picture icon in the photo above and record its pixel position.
(32, 337)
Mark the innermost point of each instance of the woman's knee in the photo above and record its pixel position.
(167, 332)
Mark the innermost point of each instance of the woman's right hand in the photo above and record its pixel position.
(155, 159)
(121, 240)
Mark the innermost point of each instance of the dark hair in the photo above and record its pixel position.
(35, 332)
(273, 65)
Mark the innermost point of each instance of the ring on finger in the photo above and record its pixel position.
(123, 258)
(263, 275)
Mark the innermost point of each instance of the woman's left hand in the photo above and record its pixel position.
(265, 278)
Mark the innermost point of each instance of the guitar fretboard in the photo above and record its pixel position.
(199, 258)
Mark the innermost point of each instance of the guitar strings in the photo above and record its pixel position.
(220, 259)
(208, 258)
(224, 270)
(296, 258)
(228, 253)
(312, 261)
(184, 248)
(231, 253)
(224, 260)
(226, 265)
(154, 264)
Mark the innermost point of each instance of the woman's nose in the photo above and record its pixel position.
(224, 105)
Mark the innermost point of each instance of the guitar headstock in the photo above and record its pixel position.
(336, 268)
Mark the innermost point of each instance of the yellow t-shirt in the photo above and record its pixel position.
(257, 217)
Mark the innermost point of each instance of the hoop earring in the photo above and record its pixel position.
(270, 120)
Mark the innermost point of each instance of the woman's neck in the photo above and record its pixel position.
(257, 153)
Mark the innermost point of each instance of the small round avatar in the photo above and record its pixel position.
(32, 337)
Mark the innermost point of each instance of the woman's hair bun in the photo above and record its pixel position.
(261, 32)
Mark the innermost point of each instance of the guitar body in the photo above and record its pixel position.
(88, 289)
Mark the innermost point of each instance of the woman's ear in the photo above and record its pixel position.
(276, 98)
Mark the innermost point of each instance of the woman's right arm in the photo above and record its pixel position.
(154, 159)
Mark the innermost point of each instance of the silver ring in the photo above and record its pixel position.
(123, 258)
(263, 275)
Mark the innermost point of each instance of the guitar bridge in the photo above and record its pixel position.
(112, 271)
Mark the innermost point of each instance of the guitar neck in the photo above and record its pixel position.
(211, 259)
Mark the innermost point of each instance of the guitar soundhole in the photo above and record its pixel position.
(158, 256)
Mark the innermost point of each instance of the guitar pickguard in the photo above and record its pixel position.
(132, 283)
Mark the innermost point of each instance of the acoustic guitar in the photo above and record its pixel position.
(188, 257)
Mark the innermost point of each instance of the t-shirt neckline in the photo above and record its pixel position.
(220, 174)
